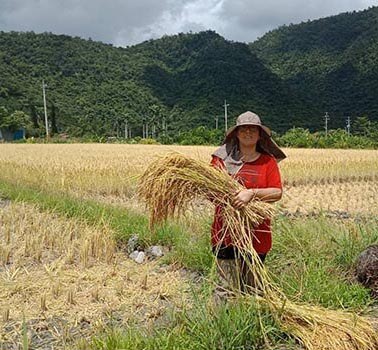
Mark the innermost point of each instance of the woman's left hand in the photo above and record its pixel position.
(242, 198)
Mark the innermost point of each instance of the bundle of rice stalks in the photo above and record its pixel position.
(171, 183)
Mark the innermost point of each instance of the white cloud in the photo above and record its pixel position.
(247, 20)
(98, 19)
(194, 15)
(125, 22)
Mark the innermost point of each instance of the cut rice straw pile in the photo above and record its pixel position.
(171, 183)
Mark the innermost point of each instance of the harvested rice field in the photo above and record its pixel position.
(67, 280)
(333, 180)
(67, 211)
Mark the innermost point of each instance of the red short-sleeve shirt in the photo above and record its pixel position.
(261, 173)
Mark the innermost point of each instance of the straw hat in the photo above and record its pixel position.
(266, 142)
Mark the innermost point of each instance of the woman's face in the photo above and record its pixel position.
(248, 135)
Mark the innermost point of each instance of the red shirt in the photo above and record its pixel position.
(261, 173)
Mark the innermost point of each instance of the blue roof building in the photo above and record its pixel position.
(7, 135)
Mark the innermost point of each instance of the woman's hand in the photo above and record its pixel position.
(242, 198)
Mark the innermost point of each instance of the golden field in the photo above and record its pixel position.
(314, 179)
(67, 279)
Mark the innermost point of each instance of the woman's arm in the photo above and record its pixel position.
(265, 194)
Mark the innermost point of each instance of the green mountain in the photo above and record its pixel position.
(332, 62)
(197, 72)
(184, 79)
(291, 77)
(92, 87)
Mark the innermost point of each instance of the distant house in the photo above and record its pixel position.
(7, 135)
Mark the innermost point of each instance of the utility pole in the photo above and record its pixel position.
(126, 129)
(153, 131)
(326, 119)
(116, 125)
(45, 108)
(348, 125)
(225, 115)
(216, 122)
(164, 126)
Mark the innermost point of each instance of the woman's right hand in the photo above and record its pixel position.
(242, 198)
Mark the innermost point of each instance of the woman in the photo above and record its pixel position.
(250, 156)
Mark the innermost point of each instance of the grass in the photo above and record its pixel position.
(236, 325)
(123, 222)
(313, 259)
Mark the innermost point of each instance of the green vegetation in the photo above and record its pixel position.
(171, 84)
(294, 137)
(364, 136)
(200, 136)
(176, 84)
(313, 259)
(330, 62)
(238, 325)
(14, 121)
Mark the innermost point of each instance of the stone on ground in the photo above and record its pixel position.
(367, 269)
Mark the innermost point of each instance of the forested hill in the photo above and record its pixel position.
(197, 72)
(333, 61)
(183, 78)
(291, 76)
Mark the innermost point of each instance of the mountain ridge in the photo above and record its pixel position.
(335, 56)
(291, 77)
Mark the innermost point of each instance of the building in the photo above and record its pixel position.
(7, 136)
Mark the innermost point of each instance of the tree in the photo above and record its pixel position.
(362, 126)
(14, 121)
(297, 137)
(3, 114)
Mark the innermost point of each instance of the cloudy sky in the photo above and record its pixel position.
(127, 22)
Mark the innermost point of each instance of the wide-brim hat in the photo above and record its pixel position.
(266, 142)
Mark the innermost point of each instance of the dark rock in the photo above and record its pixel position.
(367, 269)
